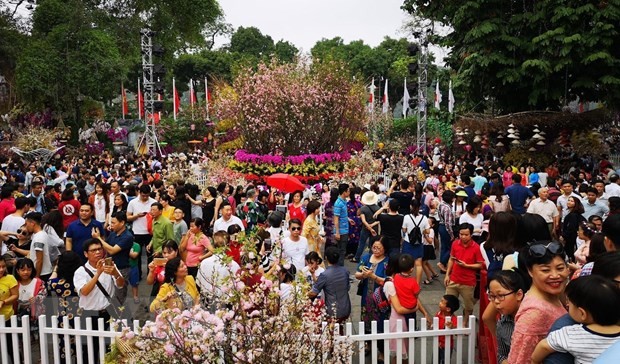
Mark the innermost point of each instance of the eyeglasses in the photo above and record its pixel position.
(22, 232)
(296, 228)
(499, 297)
(96, 250)
(539, 250)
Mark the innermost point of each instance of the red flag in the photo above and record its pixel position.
(177, 99)
(192, 95)
(124, 100)
(140, 102)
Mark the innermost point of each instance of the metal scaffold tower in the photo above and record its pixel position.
(422, 86)
(149, 77)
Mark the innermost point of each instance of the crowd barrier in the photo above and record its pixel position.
(422, 345)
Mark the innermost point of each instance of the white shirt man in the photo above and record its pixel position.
(212, 272)
(16, 220)
(544, 207)
(613, 189)
(295, 247)
(227, 220)
(39, 248)
(137, 210)
(91, 297)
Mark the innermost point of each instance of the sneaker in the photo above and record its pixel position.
(136, 300)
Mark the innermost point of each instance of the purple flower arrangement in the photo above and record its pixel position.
(323, 158)
(117, 134)
(95, 148)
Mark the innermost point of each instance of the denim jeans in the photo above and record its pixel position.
(342, 247)
(361, 246)
(446, 245)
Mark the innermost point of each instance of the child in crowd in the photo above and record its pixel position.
(429, 251)
(505, 292)
(313, 269)
(32, 292)
(407, 288)
(593, 302)
(234, 248)
(134, 271)
(448, 305)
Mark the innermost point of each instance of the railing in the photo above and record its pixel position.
(89, 339)
(410, 335)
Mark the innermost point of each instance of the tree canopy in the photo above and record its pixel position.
(524, 55)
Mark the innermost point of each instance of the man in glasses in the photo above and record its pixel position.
(295, 247)
(95, 283)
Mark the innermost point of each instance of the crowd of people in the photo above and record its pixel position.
(90, 232)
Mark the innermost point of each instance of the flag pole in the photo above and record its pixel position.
(123, 100)
(191, 96)
(207, 96)
(174, 99)
(138, 98)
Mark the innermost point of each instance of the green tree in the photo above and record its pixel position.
(250, 41)
(530, 55)
(285, 51)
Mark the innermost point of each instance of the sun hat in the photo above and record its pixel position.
(462, 193)
(370, 198)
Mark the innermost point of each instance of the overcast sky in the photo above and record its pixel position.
(304, 22)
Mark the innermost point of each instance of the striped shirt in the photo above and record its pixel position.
(446, 217)
(503, 331)
(581, 342)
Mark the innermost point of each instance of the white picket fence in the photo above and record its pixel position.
(415, 342)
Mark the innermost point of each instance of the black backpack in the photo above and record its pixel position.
(415, 236)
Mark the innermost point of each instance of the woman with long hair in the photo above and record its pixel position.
(355, 228)
(51, 222)
(570, 225)
(501, 243)
(296, 208)
(99, 200)
(328, 217)
(208, 206)
(473, 215)
(156, 275)
(195, 198)
(178, 291)
(499, 200)
(196, 246)
(61, 285)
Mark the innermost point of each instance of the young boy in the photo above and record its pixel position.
(134, 271)
(448, 305)
(407, 288)
(593, 302)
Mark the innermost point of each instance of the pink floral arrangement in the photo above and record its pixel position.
(295, 108)
(323, 158)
